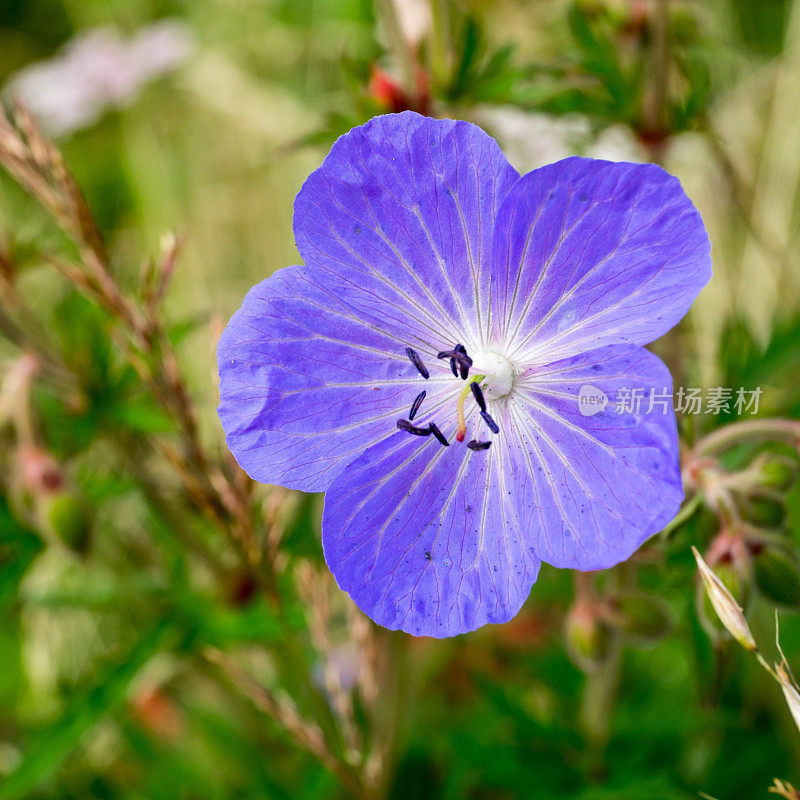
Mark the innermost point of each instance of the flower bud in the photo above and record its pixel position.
(41, 473)
(727, 609)
(736, 582)
(777, 577)
(158, 713)
(766, 511)
(387, 90)
(66, 517)
(790, 692)
(775, 471)
(587, 637)
(642, 617)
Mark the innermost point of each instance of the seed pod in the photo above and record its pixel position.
(790, 691)
(765, 511)
(587, 638)
(736, 584)
(65, 516)
(776, 471)
(724, 604)
(777, 577)
(642, 616)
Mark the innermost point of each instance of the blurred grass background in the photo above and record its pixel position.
(113, 589)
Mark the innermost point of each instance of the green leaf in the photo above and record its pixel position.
(141, 416)
(18, 549)
(53, 744)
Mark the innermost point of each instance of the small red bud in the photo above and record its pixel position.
(158, 713)
(386, 90)
(40, 471)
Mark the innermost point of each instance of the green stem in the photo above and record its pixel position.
(597, 705)
(736, 433)
(601, 691)
(686, 512)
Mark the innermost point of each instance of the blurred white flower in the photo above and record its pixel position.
(533, 139)
(96, 71)
(616, 143)
(415, 19)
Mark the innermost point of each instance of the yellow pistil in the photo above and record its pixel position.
(462, 423)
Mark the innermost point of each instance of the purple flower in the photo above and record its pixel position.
(430, 265)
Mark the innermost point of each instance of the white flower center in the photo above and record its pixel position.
(498, 370)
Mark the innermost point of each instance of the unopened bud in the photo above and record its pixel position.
(587, 637)
(775, 471)
(387, 90)
(66, 517)
(766, 512)
(777, 577)
(790, 692)
(642, 617)
(727, 609)
(41, 473)
(159, 713)
(736, 582)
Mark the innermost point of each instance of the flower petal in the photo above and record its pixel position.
(306, 385)
(592, 253)
(605, 480)
(402, 213)
(430, 539)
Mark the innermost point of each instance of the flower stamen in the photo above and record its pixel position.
(417, 362)
(416, 404)
(433, 428)
(405, 425)
(461, 432)
(464, 367)
(476, 445)
(458, 355)
(477, 393)
(493, 426)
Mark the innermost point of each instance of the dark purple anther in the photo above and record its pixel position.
(438, 434)
(417, 362)
(489, 421)
(458, 356)
(477, 393)
(476, 445)
(416, 404)
(459, 348)
(405, 425)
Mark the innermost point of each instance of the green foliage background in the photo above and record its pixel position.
(117, 590)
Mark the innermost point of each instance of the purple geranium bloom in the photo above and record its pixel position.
(454, 363)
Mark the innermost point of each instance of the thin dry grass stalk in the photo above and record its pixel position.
(39, 168)
(306, 734)
(784, 789)
(314, 587)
